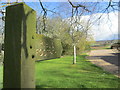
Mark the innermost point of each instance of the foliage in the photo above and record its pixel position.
(1, 57)
(59, 28)
(47, 48)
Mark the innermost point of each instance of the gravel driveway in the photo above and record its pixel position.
(107, 59)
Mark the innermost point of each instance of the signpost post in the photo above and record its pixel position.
(23, 47)
(19, 63)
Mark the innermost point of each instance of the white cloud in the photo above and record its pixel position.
(104, 29)
(107, 28)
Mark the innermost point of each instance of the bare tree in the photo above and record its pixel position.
(77, 10)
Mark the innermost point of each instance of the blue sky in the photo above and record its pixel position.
(104, 31)
(61, 0)
(60, 7)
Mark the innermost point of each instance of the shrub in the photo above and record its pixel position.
(47, 48)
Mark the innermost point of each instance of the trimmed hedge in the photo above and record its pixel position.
(47, 48)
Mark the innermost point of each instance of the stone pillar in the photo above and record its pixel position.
(19, 63)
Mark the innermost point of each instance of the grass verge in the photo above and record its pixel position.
(1, 76)
(61, 73)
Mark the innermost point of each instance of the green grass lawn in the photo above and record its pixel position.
(1, 76)
(61, 73)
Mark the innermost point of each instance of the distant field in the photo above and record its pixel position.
(100, 47)
(61, 73)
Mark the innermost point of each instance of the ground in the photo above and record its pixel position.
(107, 59)
(61, 73)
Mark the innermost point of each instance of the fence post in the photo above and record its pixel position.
(19, 63)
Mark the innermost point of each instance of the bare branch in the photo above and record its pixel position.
(79, 5)
(44, 15)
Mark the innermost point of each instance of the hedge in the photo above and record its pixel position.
(47, 48)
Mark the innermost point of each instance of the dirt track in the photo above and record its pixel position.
(107, 59)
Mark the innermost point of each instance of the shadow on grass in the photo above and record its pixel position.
(108, 48)
(42, 86)
(93, 65)
(81, 57)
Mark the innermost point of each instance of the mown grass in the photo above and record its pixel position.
(61, 73)
(1, 76)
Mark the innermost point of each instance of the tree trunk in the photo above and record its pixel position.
(74, 57)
